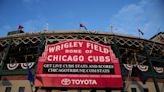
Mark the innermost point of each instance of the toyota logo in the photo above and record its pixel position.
(65, 81)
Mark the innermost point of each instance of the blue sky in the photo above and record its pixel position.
(125, 15)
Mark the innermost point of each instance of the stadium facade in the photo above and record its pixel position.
(81, 61)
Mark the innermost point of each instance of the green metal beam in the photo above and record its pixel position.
(152, 70)
(6, 54)
(158, 60)
(40, 46)
(117, 52)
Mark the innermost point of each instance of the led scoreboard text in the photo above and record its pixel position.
(78, 68)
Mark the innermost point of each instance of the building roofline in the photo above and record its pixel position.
(67, 31)
(156, 35)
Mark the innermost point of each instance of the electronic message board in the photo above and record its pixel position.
(78, 64)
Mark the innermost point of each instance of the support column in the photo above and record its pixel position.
(40, 46)
(151, 69)
(5, 56)
(117, 52)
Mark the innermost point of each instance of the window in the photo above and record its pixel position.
(108, 90)
(93, 90)
(21, 89)
(48, 90)
(8, 89)
(64, 90)
(146, 90)
(133, 90)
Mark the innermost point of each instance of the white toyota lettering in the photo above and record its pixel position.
(78, 81)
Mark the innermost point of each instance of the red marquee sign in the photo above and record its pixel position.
(78, 63)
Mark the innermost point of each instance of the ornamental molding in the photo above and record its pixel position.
(32, 38)
(159, 69)
(13, 66)
(143, 68)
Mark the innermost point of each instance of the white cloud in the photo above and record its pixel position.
(146, 14)
(127, 17)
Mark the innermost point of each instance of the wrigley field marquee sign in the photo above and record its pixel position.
(78, 64)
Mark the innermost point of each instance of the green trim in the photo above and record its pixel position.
(149, 74)
(15, 72)
(155, 59)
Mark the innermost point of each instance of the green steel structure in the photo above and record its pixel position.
(19, 49)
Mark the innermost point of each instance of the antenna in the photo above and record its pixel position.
(111, 28)
(46, 27)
